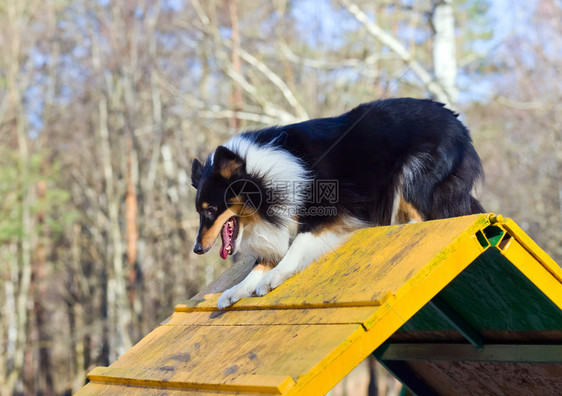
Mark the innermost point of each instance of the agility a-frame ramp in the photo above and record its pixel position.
(463, 306)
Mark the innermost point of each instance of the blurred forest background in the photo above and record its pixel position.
(103, 106)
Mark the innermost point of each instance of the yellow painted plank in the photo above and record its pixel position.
(372, 265)
(101, 389)
(310, 316)
(250, 303)
(215, 355)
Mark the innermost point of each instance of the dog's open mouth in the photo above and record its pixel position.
(228, 235)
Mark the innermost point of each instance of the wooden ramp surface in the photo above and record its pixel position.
(306, 335)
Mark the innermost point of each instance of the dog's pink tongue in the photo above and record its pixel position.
(223, 253)
(225, 242)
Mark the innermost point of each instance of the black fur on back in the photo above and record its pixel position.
(416, 148)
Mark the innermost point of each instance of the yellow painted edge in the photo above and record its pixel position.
(269, 384)
(531, 246)
(535, 271)
(391, 316)
(457, 248)
(334, 367)
(325, 375)
(96, 388)
(435, 278)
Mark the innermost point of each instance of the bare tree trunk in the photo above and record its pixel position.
(45, 378)
(131, 215)
(10, 318)
(444, 48)
(373, 389)
(119, 316)
(17, 110)
(75, 312)
(236, 65)
(3, 325)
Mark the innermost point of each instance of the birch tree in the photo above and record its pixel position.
(18, 275)
(444, 48)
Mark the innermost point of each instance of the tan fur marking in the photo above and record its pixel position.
(236, 205)
(229, 169)
(264, 266)
(407, 212)
(204, 205)
(340, 225)
(211, 235)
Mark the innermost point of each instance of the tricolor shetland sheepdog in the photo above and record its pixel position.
(288, 194)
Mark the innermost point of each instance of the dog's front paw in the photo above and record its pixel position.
(227, 299)
(233, 295)
(270, 281)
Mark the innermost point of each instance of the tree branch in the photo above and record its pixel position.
(269, 107)
(323, 64)
(276, 80)
(378, 33)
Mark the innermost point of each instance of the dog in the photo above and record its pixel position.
(286, 195)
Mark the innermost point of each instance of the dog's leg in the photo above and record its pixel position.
(306, 248)
(246, 288)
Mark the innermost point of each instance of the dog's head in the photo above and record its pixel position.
(221, 199)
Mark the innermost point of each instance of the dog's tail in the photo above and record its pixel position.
(452, 196)
(445, 190)
(475, 206)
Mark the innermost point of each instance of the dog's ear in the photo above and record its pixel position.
(196, 171)
(227, 163)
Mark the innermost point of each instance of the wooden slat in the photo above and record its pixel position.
(270, 317)
(196, 355)
(489, 378)
(516, 353)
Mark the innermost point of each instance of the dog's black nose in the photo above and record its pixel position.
(198, 248)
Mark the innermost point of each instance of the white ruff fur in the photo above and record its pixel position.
(264, 240)
(279, 244)
(277, 167)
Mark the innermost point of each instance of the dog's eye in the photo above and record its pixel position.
(211, 210)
